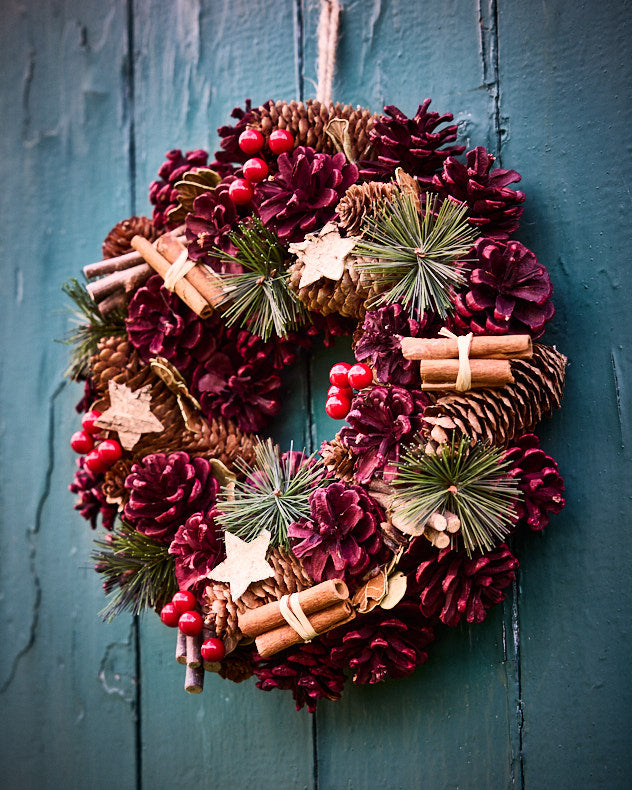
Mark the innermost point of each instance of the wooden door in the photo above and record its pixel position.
(94, 92)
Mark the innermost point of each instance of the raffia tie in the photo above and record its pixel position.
(463, 343)
(296, 618)
(178, 269)
(327, 41)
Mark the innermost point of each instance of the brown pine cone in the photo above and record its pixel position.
(115, 360)
(346, 297)
(289, 577)
(362, 200)
(236, 667)
(338, 459)
(220, 614)
(307, 122)
(500, 415)
(114, 483)
(118, 240)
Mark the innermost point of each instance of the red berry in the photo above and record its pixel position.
(109, 451)
(251, 141)
(280, 141)
(81, 442)
(169, 615)
(360, 376)
(240, 192)
(338, 375)
(94, 463)
(337, 407)
(190, 623)
(255, 170)
(213, 649)
(184, 601)
(342, 392)
(88, 420)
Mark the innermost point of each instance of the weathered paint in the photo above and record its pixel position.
(94, 93)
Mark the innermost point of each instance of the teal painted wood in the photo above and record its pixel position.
(67, 684)
(534, 697)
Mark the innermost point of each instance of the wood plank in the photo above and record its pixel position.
(195, 62)
(441, 726)
(565, 94)
(67, 687)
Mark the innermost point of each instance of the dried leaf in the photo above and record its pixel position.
(397, 584)
(370, 594)
(172, 377)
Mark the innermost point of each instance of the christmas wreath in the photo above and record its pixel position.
(316, 220)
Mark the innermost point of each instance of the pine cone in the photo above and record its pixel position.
(220, 612)
(162, 193)
(307, 122)
(197, 547)
(115, 360)
(289, 577)
(91, 501)
(338, 460)
(378, 344)
(360, 201)
(342, 538)
(237, 667)
(346, 297)
(382, 644)
(118, 240)
(499, 416)
(306, 670)
(453, 586)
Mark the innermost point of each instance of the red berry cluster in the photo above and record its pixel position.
(98, 458)
(180, 613)
(255, 170)
(344, 379)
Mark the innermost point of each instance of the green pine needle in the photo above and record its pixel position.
(139, 571)
(260, 299)
(418, 257)
(271, 497)
(85, 336)
(469, 481)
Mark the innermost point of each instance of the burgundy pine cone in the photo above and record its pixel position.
(382, 644)
(165, 490)
(379, 345)
(303, 195)
(162, 192)
(494, 208)
(91, 501)
(306, 670)
(342, 540)
(453, 586)
(414, 144)
(229, 136)
(380, 421)
(539, 479)
(197, 547)
(509, 292)
(160, 324)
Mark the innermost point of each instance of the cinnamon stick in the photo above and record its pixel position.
(442, 373)
(482, 346)
(264, 618)
(183, 287)
(210, 287)
(277, 639)
(127, 279)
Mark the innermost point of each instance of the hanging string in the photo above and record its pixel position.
(327, 42)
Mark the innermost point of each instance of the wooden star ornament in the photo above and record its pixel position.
(323, 255)
(245, 563)
(129, 414)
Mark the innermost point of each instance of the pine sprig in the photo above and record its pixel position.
(470, 481)
(139, 572)
(260, 298)
(418, 257)
(273, 495)
(91, 327)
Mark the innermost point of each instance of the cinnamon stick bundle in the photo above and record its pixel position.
(265, 618)
(185, 290)
(441, 374)
(200, 278)
(482, 346)
(277, 639)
